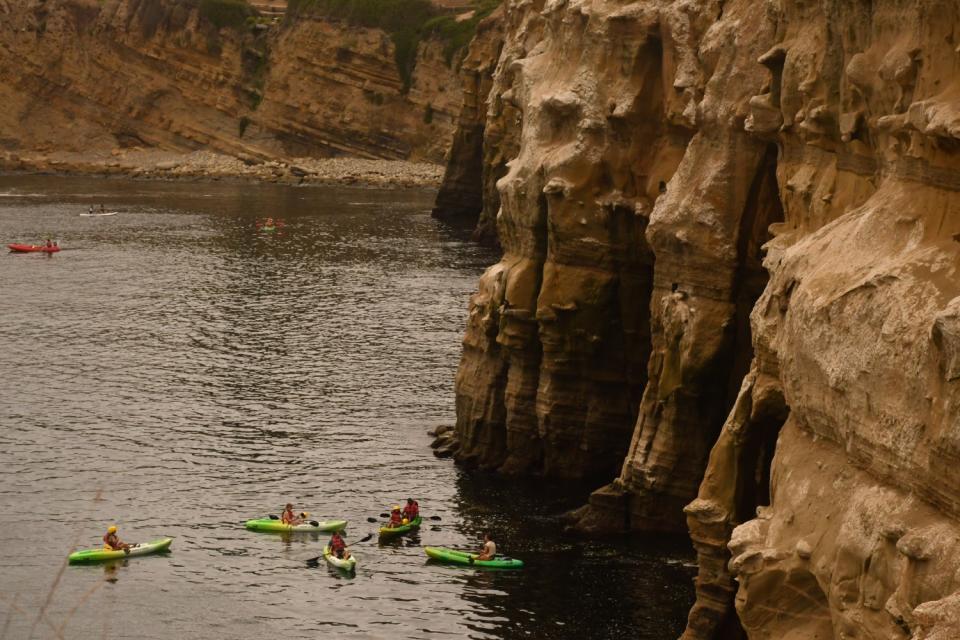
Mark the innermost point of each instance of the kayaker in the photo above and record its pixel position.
(49, 243)
(489, 550)
(289, 517)
(412, 510)
(90, 211)
(338, 547)
(111, 542)
(396, 519)
(101, 208)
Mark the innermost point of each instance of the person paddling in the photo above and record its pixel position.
(395, 518)
(289, 517)
(338, 547)
(111, 542)
(412, 510)
(489, 550)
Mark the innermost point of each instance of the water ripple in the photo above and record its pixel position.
(198, 372)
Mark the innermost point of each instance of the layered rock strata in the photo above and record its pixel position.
(90, 75)
(745, 212)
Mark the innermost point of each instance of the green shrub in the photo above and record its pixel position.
(255, 97)
(214, 47)
(373, 96)
(226, 13)
(457, 35)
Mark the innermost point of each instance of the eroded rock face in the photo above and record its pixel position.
(608, 100)
(854, 332)
(471, 171)
(558, 339)
(808, 154)
(92, 76)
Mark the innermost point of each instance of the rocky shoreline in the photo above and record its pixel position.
(209, 166)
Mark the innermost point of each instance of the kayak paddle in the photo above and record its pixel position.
(313, 522)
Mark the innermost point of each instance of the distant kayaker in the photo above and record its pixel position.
(90, 211)
(111, 541)
(338, 547)
(102, 209)
(49, 243)
(396, 519)
(412, 510)
(489, 550)
(289, 517)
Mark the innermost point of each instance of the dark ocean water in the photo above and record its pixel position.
(176, 370)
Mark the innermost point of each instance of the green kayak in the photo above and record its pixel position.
(102, 555)
(350, 564)
(387, 532)
(462, 557)
(267, 524)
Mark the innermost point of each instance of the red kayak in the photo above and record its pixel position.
(29, 248)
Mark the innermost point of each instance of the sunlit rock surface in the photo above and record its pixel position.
(729, 284)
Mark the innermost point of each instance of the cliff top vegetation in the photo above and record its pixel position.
(407, 21)
(226, 13)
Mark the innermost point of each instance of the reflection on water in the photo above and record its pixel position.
(202, 372)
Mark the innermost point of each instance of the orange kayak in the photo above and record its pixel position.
(30, 248)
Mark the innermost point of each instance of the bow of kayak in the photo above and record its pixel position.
(350, 564)
(387, 532)
(88, 556)
(269, 525)
(452, 556)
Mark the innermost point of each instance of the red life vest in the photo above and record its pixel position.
(336, 543)
(411, 511)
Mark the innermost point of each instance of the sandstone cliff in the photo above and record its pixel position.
(475, 159)
(729, 282)
(97, 75)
